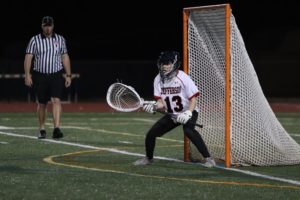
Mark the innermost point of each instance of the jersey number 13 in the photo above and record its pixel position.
(177, 101)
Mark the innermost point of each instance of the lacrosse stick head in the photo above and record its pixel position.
(123, 98)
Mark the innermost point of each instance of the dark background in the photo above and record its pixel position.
(120, 40)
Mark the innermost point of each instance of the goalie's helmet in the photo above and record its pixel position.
(171, 58)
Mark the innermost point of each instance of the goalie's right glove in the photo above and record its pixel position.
(150, 108)
(184, 117)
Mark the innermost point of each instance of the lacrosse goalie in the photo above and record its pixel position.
(176, 93)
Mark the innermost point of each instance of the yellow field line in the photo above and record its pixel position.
(50, 161)
(288, 181)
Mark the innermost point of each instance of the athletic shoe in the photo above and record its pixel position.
(57, 133)
(42, 134)
(143, 161)
(210, 162)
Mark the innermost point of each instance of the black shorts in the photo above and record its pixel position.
(48, 85)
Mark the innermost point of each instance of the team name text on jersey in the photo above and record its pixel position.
(171, 90)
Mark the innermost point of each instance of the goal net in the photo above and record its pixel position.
(231, 99)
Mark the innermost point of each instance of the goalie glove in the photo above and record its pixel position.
(150, 108)
(184, 117)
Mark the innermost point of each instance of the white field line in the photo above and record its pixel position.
(85, 146)
(89, 129)
(16, 128)
(125, 142)
(295, 134)
(294, 182)
(144, 120)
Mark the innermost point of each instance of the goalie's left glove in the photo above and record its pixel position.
(184, 117)
(150, 108)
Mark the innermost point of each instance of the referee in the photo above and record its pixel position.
(50, 58)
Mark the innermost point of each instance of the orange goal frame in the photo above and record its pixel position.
(186, 13)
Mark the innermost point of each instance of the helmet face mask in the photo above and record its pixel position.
(168, 64)
(166, 69)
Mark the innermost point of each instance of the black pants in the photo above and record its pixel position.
(47, 85)
(166, 124)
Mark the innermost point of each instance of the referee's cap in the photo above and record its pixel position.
(47, 21)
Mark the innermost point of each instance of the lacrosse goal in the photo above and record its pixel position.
(239, 124)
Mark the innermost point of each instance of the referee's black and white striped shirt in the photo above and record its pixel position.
(47, 52)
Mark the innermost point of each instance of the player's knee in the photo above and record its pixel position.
(188, 131)
(55, 100)
(42, 106)
(152, 133)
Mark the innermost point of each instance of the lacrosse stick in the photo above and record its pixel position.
(124, 98)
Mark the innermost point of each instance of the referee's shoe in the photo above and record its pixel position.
(57, 133)
(42, 134)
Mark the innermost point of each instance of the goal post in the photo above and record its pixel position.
(240, 127)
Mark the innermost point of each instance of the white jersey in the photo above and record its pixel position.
(176, 93)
